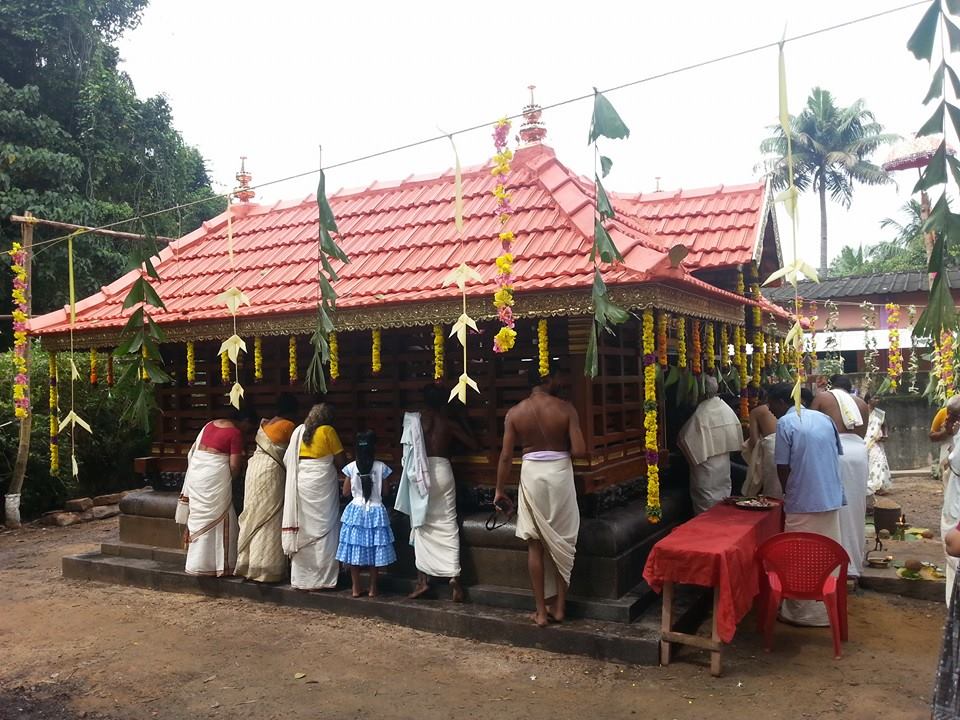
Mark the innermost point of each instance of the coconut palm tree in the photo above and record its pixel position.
(831, 149)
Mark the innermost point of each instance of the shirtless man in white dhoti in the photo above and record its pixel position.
(548, 430)
(436, 542)
(850, 415)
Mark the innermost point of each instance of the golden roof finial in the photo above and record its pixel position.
(243, 191)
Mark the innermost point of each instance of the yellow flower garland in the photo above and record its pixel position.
(505, 339)
(375, 363)
(191, 363)
(292, 358)
(54, 417)
(697, 347)
(144, 375)
(681, 342)
(663, 322)
(758, 357)
(21, 379)
(895, 359)
(334, 343)
(543, 348)
(257, 358)
(711, 347)
(946, 364)
(93, 366)
(651, 439)
(224, 367)
(724, 346)
(438, 353)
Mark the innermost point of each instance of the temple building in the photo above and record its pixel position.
(695, 257)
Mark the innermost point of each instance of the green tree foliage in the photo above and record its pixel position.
(78, 145)
(831, 146)
(904, 251)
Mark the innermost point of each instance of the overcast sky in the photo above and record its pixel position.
(274, 80)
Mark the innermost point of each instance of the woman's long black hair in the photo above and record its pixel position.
(366, 442)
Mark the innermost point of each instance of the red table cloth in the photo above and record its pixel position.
(716, 549)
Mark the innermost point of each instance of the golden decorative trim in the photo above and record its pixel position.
(570, 303)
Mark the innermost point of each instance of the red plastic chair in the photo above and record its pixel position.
(801, 566)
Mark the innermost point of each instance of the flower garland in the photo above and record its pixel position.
(914, 365)
(895, 359)
(224, 367)
(741, 350)
(651, 442)
(505, 339)
(741, 288)
(257, 358)
(946, 364)
(725, 347)
(755, 294)
(54, 416)
(375, 363)
(144, 375)
(711, 348)
(758, 357)
(663, 321)
(21, 380)
(334, 342)
(543, 349)
(93, 366)
(781, 353)
(292, 356)
(812, 339)
(697, 347)
(681, 343)
(438, 353)
(870, 353)
(191, 363)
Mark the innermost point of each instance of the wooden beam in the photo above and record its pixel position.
(29, 220)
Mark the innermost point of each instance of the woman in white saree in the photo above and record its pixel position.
(261, 555)
(205, 506)
(311, 503)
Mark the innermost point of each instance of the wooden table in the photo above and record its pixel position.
(716, 549)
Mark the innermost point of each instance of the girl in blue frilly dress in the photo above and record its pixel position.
(366, 539)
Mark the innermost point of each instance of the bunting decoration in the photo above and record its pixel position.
(334, 342)
(54, 417)
(543, 349)
(375, 345)
(506, 338)
(230, 349)
(21, 379)
(438, 353)
(460, 276)
(651, 439)
(72, 420)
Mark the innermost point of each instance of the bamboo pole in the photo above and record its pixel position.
(23, 448)
(28, 219)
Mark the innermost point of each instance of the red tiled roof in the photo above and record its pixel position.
(402, 244)
(720, 226)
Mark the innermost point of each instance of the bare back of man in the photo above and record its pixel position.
(826, 403)
(545, 422)
(440, 433)
(762, 423)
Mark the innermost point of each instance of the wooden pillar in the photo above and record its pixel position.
(23, 448)
(581, 387)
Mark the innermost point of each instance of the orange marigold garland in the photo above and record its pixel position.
(651, 439)
(895, 359)
(94, 379)
(505, 339)
(697, 347)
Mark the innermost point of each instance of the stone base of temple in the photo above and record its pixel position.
(606, 587)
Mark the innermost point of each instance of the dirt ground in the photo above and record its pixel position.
(73, 649)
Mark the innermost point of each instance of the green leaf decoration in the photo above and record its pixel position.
(608, 313)
(331, 248)
(936, 85)
(606, 121)
(603, 244)
(141, 410)
(327, 220)
(940, 313)
(590, 364)
(921, 42)
(155, 372)
(328, 268)
(673, 375)
(326, 289)
(131, 344)
(605, 165)
(936, 171)
(136, 294)
(934, 125)
(953, 35)
(151, 297)
(938, 216)
(151, 270)
(134, 322)
(154, 331)
(603, 202)
(954, 164)
(954, 112)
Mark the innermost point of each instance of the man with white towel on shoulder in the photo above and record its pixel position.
(849, 414)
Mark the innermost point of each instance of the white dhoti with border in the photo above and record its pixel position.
(854, 473)
(436, 543)
(547, 511)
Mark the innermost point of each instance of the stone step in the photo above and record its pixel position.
(144, 552)
(635, 642)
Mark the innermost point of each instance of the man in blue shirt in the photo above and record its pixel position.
(807, 455)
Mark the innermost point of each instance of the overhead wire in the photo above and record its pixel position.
(46, 244)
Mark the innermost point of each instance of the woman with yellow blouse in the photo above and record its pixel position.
(261, 555)
(311, 510)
